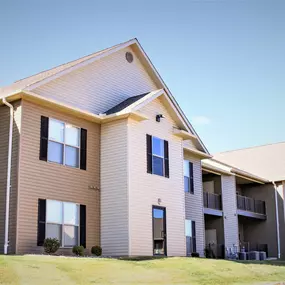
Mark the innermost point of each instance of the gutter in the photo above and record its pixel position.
(277, 220)
(8, 184)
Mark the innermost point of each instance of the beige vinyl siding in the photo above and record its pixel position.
(194, 203)
(114, 189)
(230, 211)
(189, 144)
(45, 180)
(4, 138)
(100, 85)
(146, 189)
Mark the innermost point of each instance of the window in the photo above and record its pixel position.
(188, 177)
(63, 143)
(190, 233)
(157, 156)
(62, 222)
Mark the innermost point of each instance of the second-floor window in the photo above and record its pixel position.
(157, 156)
(63, 143)
(188, 177)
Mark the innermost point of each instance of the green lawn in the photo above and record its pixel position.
(43, 270)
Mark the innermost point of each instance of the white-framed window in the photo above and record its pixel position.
(158, 156)
(188, 177)
(188, 228)
(62, 222)
(190, 233)
(63, 143)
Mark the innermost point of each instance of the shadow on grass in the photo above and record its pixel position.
(265, 262)
(141, 258)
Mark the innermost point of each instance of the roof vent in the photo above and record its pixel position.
(129, 57)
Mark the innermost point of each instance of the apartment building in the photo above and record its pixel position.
(100, 153)
(241, 210)
(265, 161)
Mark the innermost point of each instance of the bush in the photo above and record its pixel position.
(51, 245)
(78, 250)
(195, 254)
(96, 250)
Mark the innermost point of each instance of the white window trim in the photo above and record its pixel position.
(65, 144)
(189, 182)
(188, 220)
(163, 158)
(63, 224)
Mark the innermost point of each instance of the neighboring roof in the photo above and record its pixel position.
(224, 168)
(30, 83)
(126, 103)
(266, 160)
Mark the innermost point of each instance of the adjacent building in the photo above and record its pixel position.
(100, 153)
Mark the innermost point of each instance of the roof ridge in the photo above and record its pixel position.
(75, 60)
(250, 147)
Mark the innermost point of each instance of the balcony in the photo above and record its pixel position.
(250, 207)
(212, 204)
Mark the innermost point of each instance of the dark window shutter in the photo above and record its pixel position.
(194, 235)
(41, 221)
(83, 149)
(83, 225)
(166, 159)
(191, 174)
(44, 138)
(149, 153)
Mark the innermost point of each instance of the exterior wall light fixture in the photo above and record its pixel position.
(158, 117)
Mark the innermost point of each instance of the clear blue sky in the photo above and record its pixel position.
(224, 61)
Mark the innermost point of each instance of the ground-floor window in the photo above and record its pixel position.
(62, 222)
(190, 232)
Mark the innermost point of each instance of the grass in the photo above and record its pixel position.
(66, 270)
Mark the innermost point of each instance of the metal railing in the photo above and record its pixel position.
(251, 205)
(212, 201)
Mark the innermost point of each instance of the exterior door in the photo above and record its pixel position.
(211, 240)
(159, 230)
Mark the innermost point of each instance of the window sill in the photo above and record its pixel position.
(63, 165)
(157, 175)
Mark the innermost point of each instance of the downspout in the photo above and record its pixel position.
(8, 185)
(277, 221)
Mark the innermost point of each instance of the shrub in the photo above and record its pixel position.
(195, 254)
(51, 245)
(96, 250)
(78, 250)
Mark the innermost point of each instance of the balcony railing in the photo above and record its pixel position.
(251, 205)
(212, 201)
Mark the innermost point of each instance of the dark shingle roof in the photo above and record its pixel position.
(126, 103)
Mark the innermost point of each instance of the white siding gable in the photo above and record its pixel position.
(100, 85)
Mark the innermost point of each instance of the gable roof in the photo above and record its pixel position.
(41, 76)
(30, 83)
(125, 104)
(266, 160)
